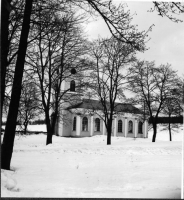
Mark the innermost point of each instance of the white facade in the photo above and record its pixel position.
(85, 123)
(125, 125)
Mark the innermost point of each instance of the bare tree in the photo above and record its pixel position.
(53, 55)
(169, 9)
(151, 84)
(110, 58)
(29, 107)
(173, 103)
(8, 140)
(171, 108)
(4, 45)
(14, 10)
(117, 19)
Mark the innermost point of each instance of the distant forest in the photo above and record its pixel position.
(35, 122)
(166, 120)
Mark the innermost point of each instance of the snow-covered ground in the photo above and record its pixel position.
(87, 167)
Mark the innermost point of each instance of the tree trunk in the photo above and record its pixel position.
(5, 12)
(49, 130)
(8, 140)
(154, 131)
(109, 129)
(170, 135)
(25, 127)
(25, 123)
(49, 135)
(51, 127)
(54, 119)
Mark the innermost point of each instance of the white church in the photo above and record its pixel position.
(85, 118)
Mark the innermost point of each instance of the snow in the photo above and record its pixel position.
(163, 133)
(87, 167)
(37, 128)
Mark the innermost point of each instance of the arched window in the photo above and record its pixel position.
(85, 124)
(120, 126)
(140, 127)
(97, 124)
(130, 127)
(72, 86)
(74, 123)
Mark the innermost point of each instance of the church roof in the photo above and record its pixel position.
(96, 105)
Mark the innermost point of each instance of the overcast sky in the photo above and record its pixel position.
(167, 38)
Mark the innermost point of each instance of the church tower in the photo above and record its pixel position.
(71, 95)
(72, 89)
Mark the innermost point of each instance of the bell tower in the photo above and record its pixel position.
(71, 88)
(71, 95)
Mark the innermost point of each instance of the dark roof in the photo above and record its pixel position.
(96, 105)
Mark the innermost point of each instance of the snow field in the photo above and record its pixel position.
(87, 167)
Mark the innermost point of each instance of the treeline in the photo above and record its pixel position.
(167, 120)
(4, 123)
(38, 122)
(35, 122)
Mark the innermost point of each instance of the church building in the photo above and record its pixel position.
(85, 118)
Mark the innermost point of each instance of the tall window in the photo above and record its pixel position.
(72, 86)
(74, 123)
(85, 124)
(97, 124)
(120, 126)
(140, 127)
(130, 126)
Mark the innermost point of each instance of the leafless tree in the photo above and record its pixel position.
(110, 58)
(8, 140)
(173, 103)
(171, 10)
(58, 49)
(29, 107)
(11, 26)
(152, 84)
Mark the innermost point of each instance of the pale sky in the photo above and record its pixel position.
(167, 38)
